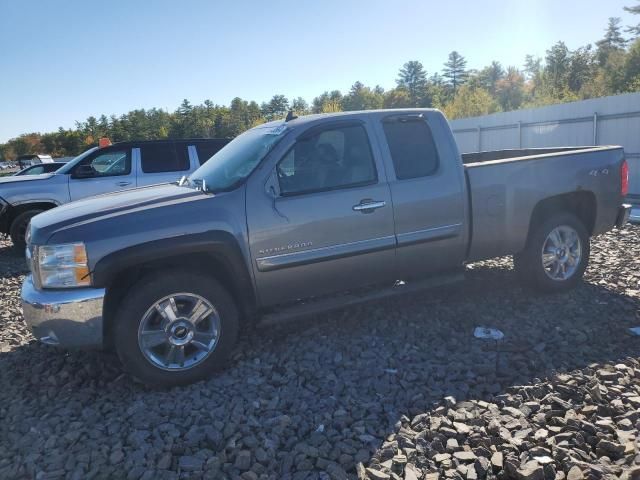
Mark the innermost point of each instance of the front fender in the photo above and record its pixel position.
(219, 245)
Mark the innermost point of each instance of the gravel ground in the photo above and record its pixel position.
(394, 389)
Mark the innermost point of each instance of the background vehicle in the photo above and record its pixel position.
(116, 167)
(40, 168)
(32, 159)
(303, 216)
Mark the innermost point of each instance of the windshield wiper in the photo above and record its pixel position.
(200, 184)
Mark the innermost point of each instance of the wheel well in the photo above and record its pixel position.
(582, 204)
(204, 263)
(15, 210)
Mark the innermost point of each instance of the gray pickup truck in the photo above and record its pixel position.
(302, 216)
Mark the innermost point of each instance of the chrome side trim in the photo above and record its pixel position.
(69, 318)
(634, 217)
(315, 255)
(429, 234)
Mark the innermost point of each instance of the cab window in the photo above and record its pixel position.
(333, 158)
(108, 163)
(412, 148)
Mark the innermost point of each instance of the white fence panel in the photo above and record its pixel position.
(600, 121)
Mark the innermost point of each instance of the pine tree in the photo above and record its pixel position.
(612, 41)
(455, 70)
(633, 30)
(413, 79)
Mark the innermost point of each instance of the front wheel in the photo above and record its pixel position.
(556, 255)
(175, 329)
(18, 228)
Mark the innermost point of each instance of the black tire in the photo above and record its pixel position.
(529, 265)
(18, 228)
(143, 295)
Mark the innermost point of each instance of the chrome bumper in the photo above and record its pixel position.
(635, 214)
(69, 318)
(624, 213)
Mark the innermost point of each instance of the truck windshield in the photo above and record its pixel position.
(73, 162)
(235, 162)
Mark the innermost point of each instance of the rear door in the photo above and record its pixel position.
(427, 187)
(103, 171)
(320, 218)
(163, 162)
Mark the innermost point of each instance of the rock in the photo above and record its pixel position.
(377, 474)
(116, 457)
(575, 473)
(336, 472)
(452, 445)
(164, 463)
(464, 456)
(243, 460)
(411, 473)
(190, 464)
(531, 471)
(461, 428)
(497, 462)
(609, 448)
(482, 466)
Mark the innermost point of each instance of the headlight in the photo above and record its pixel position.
(62, 266)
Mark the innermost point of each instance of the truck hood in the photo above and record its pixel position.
(24, 178)
(90, 210)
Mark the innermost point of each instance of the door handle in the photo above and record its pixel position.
(123, 184)
(368, 206)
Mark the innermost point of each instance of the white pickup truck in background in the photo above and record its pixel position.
(99, 170)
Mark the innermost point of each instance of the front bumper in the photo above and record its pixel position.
(68, 318)
(623, 215)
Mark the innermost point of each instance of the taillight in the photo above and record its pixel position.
(624, 178)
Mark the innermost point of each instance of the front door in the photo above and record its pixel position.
(322, 221)
(103, 171)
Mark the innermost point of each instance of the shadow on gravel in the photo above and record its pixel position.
(316, 395)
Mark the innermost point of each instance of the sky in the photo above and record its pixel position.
(62, 61)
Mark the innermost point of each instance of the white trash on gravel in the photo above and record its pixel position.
(487, 333)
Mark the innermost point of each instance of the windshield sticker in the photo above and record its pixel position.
(276, 130)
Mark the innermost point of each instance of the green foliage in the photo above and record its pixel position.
(634, 29)
(471, 102)
(612, 67)
(362, 98)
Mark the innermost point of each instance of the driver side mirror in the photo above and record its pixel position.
(83, 171)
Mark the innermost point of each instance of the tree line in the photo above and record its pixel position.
(608, 67)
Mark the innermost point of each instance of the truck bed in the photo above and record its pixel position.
(517, 154)
(505, 187)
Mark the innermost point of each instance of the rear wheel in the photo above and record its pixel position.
(556, 254)
(175, 329)
(18, 228)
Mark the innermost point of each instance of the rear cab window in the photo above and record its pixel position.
(206, 150)
(164, 157)
(412, 148)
